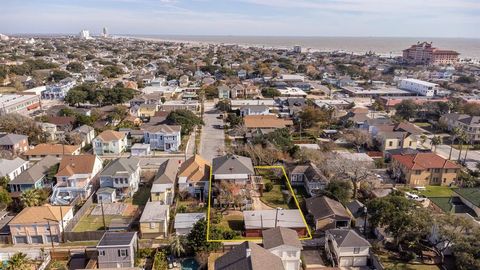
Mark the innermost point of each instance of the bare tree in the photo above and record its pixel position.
(359, 138)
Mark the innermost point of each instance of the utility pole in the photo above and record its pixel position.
(51, 237)
(365, 211)
(103, 217)
(276, 216)
(63, 227)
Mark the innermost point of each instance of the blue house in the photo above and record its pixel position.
(34, 177)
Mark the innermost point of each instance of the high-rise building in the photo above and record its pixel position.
(105, 32)
(84, 34)
(424, 53)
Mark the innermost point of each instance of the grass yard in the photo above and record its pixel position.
(393, 264)
(191, 206)
(93, 223)
(142, 196)
(274, 198)
(423, 124)
(443, 203)
(234, 222)
(437, 191)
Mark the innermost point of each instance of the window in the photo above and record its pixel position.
(356, 250)
(122, 252)
(101, 253)
(418, 172)
(153, 225)
(390, 143)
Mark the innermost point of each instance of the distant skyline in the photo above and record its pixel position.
(375, 18)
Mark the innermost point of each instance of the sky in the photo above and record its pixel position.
(400, 18)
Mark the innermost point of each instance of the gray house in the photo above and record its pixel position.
(33, 177)
(123, 174)
(232, 168)
(117, 249)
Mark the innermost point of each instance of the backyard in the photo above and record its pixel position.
(390, 262)
(93, 220)
(437, 191)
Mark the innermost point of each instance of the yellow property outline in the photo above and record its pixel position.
(255, 238)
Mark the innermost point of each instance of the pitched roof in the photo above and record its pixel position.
(40, 214)
(121, 166)
(265, 219)
(232, 164)
(36, 172)
(322, 207)
(11, 139)
(423, 161)
(265, 121)
(187, 220)
(408, 127)
(195, 169)
(470, 194)
(163, 129)
(81, 164)
(280, 236)
(9, 165)
(110, 135)
(166, 173)
(249, 256)
(52, 149)
(356, 208)
(155, 212)
(348, 238)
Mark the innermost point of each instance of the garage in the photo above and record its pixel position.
(360, 261)
(21, 240)
(55, 239)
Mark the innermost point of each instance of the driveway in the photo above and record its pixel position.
(212, 139)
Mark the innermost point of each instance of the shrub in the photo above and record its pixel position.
(268, 187)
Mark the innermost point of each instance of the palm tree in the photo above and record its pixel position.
(436, 140)
(462, 138)
(18, 261)
(30, 198)
(177, 245)
(455, 134)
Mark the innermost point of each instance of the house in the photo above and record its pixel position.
(232, 168)
(469, 124)
(58, 150)
(50, 131)
(402, 135)
(267, 122)
(257, 221)
(358, 211)
(106, 195)
(117, 249)
(163, 188)
(154, 220)
(86, 134)
(346, 248)
(184, 222)
(254, 110)
(223, 92)
(194, 176)
(248, 256)
(122, 174)
(33, 177)
(110, 142)
(74, 178)
(308, 176)
(12, 168)
(40, 224)
(140, 150)
(163, 137)
(14, 143)
(147, 110)
(327, 213)
(63, 123)
(470, 197)
(284, 243)
(424, 169)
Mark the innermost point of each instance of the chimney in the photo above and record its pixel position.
(248, 251)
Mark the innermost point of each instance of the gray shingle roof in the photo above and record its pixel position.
(9, 165)
(117, 239)
(11, 139)
(322, 207)
(121, 166)
(154, 212)
(167, 172)
(348, 238)
(187, 220)
(249, 256)
(280, 236)
(232, 164)
(35, 172)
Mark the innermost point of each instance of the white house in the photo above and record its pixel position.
(12, 168)
(232, 168)
(345, 248)
(122, 174)
(418, 86)
(140, 150)
(110, 142)
(163, 137)
(284, 243)
(184, 222)
(254, 110)
(86, 133)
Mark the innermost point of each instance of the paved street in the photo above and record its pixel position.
(212, 141)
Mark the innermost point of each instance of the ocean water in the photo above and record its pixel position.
(467, 47)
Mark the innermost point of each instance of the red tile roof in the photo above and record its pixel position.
(422, 161)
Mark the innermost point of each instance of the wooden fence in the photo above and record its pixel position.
(79, 214)
(83, 236)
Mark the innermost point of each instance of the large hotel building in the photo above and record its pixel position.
(423, 53)
(22, 104)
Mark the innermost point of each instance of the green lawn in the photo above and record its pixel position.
(142, 196)
(443, 203)
(437, 191)
(234, 222)
(93, 223)
(393, 264)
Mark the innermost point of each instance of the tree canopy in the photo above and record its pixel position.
(186, 119)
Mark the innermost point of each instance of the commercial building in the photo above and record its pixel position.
(59, 90)
(423, 53)
(418, 86)
(21, 104)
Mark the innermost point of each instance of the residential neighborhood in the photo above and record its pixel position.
(147, 154)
